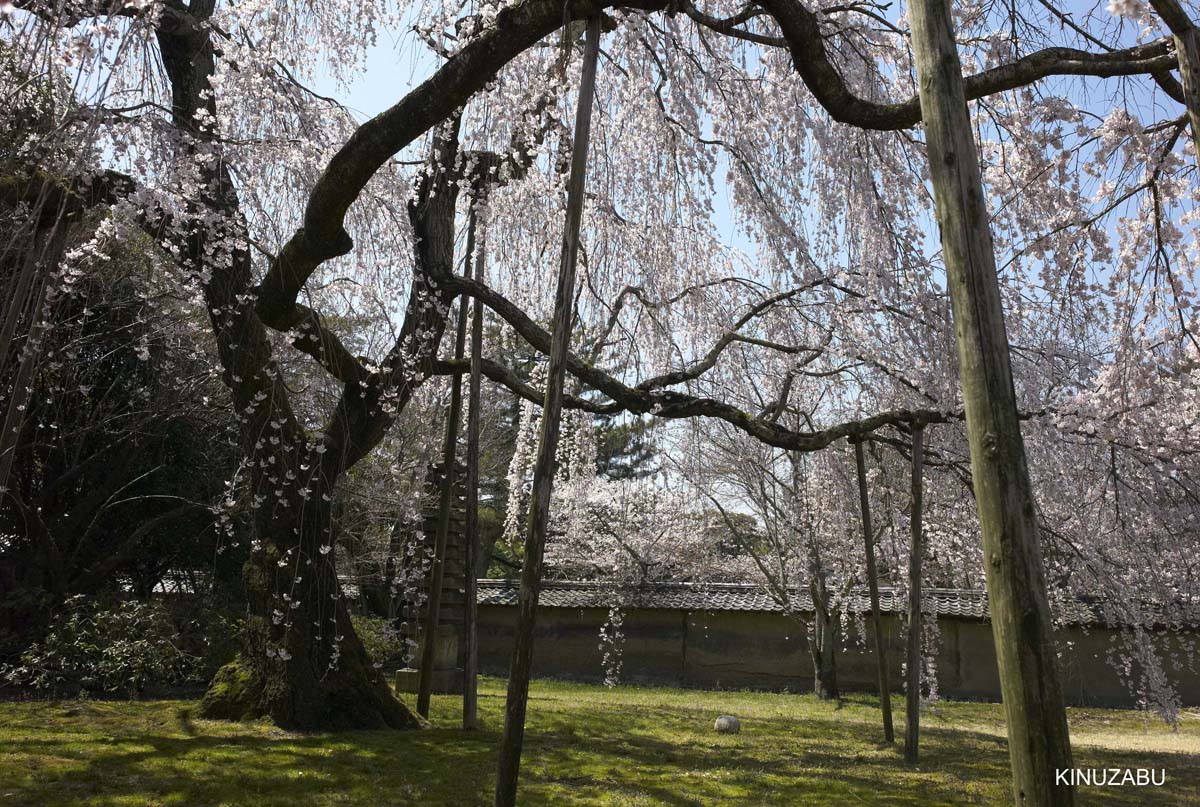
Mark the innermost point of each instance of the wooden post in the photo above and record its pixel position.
(1038, 739)
(543, 470)
(916, 550)
(445, 505)
(864, 505)
(1187, 52)
(470, 703)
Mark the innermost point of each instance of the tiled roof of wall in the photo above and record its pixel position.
(969, 604)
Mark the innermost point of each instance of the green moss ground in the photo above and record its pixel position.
(585, 745)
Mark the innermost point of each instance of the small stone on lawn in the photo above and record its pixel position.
(728, 724)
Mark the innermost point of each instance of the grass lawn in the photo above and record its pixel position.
(584, 745)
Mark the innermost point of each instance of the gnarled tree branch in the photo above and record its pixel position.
(801, 29)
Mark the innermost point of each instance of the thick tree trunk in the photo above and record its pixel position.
(864, 503)
(823, 649)
(302, 664)
(1039, 742)
(912, 727)
(825, 685)
(543, 471)
(302, 676)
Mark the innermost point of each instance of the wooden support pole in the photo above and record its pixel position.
(864, 505)
(1039, 743)
(437, 571)
(916, 551)
(470, 703)
(543, 470)
(1187, 52)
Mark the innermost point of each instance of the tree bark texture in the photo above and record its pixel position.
(302, 664)
(1038, 738)
(825, 643)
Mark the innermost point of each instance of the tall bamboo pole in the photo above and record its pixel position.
(864, 506)
(916, 550)
(1039, 743)
(470, 703)
(543, 471)
(437, 571)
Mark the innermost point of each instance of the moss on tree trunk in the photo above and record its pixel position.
(296, 696)
(302, 665)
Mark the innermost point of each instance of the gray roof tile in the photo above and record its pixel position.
(965, 603)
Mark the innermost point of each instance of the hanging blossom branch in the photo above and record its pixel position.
(664, 403)
(362, 414)
(801, 31)
(709, 360)
(323, 235)
(639, 399)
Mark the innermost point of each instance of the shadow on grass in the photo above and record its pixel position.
(592, 751)
(437, 766)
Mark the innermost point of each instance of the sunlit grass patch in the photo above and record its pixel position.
(585, 745)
